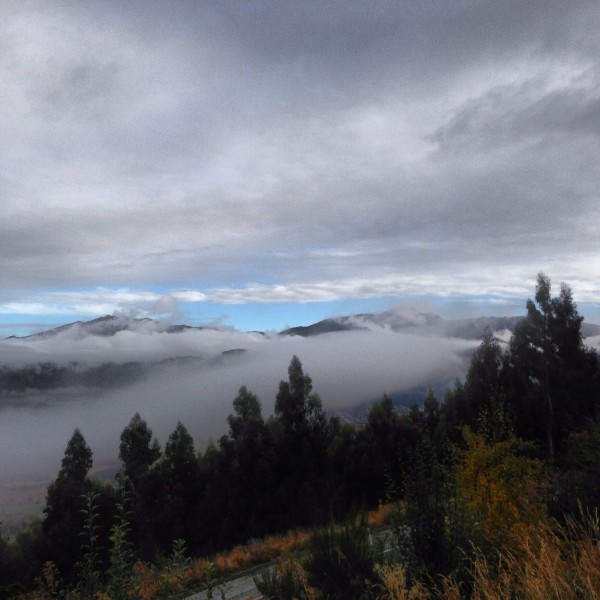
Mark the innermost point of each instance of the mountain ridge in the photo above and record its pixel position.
(107, 326)
(410, 321)
(415, 322)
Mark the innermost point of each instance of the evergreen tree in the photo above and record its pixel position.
(551, 372)
(63, 516)
(180, 457)
(482, 393)
(250, 461)
(180, 472)
(298, 410)
(138, 451)
(301, 439)
(382, 436)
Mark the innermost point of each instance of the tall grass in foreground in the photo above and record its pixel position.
(545, 564)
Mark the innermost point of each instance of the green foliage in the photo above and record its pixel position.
(248, 460)
(180, 456)
(551, 373)
(138, 450)
(298, 410)
(300, 435)
(121, 552)
(286, 581)
(341, 561)
(579, 474)
(173, 574)
(501, 492)
(88, 567)
(64, 520)
(389, 442)
(247, 414)
(77, 460)
(21, 559)
(427, 493)
(139, 453)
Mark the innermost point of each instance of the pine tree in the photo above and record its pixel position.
(138, 450)
(63, 519)
(139, 453)
(551, 371)
(301, 438)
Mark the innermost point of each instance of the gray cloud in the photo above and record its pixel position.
(226, 145)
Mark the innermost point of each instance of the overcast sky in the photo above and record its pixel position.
(272, 162)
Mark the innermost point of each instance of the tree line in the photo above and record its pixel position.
(523, 425)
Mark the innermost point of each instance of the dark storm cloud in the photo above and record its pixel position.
(298, 144)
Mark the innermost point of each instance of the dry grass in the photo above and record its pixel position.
(546, 565)
(560, 563)
(397, 587)
(260, 551)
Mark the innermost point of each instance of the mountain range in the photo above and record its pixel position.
(112, 351)
(421, 324)
(413, 322)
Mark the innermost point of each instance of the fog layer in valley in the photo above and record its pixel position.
(347, 367)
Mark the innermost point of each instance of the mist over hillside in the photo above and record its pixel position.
(96, 375)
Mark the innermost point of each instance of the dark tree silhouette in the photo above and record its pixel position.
(63, 517)
(551, 371)
(138, 450)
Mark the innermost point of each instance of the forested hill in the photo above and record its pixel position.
(488, 470)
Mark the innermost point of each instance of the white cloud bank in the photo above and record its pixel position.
(346, 367)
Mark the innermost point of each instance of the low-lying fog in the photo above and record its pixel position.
(347, 368)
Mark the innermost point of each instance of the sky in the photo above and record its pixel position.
(270, 163)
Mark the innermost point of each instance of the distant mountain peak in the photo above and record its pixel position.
(107, 326)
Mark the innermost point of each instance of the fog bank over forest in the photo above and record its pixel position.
(199, 383)
(192, 375)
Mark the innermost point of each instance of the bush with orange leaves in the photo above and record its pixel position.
(260, 551)
(147, 583)
(500, 492)
(380, 517)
